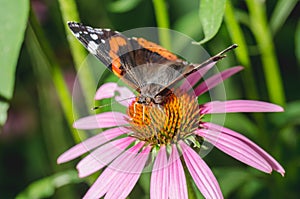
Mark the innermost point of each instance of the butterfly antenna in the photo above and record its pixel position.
(213, 59)
(105, 105)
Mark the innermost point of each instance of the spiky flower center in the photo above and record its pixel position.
(167, 123)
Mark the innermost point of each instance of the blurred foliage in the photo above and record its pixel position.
(11, 37)
(38, 94)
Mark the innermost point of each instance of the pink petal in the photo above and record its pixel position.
(109, 90)
(91, 143)
(126, 181)
(178, 187)
(216, 79)
(201, 173)
(236, 148)
(192, 79)
(110, 174)
(239, 106)
(102, 120)
(102, 156)
(159, 187)
(242, 140)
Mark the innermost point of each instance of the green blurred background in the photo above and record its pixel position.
(38, 65)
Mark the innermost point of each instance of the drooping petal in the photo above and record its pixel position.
(159, 188)
(246, 149)
(216, 79)
(110, 174)
(109, 90)
(201, 173)
(126, 181)
(102, 120)
(192, 79)
(232, 106)
(91, 143)
(178, 186)
(236, 148)
(102, 156)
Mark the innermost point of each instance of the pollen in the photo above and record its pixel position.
(167, 123)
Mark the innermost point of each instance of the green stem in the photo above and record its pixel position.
(69, 13)
(263, 37)
(281, 12)
(42, 55)
(162, 20)
(242, 54)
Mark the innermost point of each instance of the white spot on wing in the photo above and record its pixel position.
(103, 41)
(76, 34)
(74, 25)
(92, 47)
(99, 31)
(94, 36)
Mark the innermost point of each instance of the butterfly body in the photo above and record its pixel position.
(145, 66)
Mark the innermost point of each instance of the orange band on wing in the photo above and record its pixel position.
(115, 43)
(157, 48)
(116, 68)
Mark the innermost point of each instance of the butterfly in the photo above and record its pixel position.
(147, 67)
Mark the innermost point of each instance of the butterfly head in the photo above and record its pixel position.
(153, 94)
(147, 100)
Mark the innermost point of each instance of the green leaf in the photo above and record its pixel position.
(123, 5)
(11, 38)
(45, 187)
(187, 25)
(13, 18)
(3, 110)
(281, 12)
(211, 15)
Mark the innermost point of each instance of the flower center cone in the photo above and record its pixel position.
(166, 123)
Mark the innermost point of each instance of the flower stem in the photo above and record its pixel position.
(260, 29)
(162, 20)
(42, 56)
(69, 12)
(242, 54)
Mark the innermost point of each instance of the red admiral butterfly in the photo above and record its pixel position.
(125, 56)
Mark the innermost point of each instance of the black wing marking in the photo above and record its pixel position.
(105, 45)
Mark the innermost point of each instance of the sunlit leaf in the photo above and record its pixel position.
(211, 14)
(188, 24)
(13, 18)
(3, 109)
(45, 187)
(123, 5)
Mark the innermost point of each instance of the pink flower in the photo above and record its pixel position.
(159, 135)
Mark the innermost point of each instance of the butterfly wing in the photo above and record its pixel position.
(124, 56)
(111, 47)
